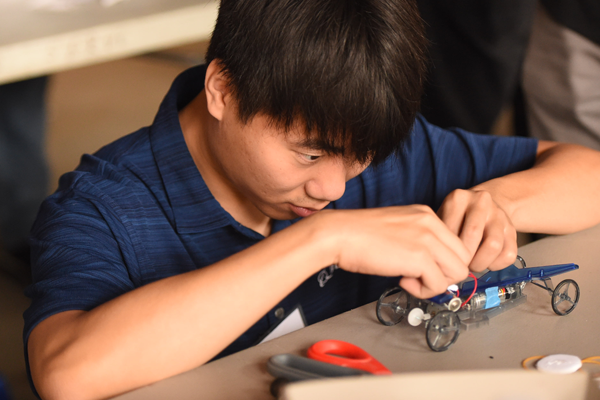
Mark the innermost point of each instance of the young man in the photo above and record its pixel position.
(179, 242)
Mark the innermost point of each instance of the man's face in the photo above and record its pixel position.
(283, 175)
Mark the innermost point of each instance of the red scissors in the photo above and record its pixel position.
(346, 354)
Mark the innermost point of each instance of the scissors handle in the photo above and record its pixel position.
(347, 355)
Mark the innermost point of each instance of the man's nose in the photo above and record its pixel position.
(329, 182)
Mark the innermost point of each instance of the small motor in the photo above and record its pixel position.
(494, 296)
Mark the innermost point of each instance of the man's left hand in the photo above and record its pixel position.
(483, 226)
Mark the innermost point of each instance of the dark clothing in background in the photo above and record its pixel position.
(23, 168)
(476, 55)
(581, 16)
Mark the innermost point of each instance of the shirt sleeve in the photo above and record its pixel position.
(462, 159)
(436, 161)
(82, 256)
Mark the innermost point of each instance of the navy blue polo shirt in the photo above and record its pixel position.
(138, 211)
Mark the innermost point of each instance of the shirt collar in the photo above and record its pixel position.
(194, 207)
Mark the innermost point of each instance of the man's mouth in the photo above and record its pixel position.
(302, 211)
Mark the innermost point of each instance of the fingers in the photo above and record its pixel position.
(437, 258)
(430, 268)
(435, 252)
(489, 226)
(450, 256)
(447, 238)
(484, 228)
(497, 251)
(409, 241)
(417, 289)
(453, 210)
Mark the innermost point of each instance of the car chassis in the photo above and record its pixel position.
(476, 302)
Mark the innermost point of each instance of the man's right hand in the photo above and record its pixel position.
(408, 241)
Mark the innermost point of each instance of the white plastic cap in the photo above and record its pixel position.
(415, 316)
(559, 364)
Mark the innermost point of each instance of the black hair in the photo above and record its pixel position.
(351, 71)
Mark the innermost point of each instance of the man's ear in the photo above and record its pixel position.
(216, 86)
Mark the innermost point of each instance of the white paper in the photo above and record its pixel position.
(291, 323)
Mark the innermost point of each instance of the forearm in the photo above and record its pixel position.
(558, 195)
(172, 325)
(178, 323)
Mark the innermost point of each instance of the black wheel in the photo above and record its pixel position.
(565, 297)
(442, 330)
(392, 306)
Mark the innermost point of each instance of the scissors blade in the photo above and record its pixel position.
(296, 368)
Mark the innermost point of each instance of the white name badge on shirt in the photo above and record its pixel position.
(290, 323)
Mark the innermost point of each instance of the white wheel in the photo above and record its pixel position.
(415, 316)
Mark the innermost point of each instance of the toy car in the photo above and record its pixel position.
(476, 301)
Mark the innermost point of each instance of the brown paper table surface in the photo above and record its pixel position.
(527, 330)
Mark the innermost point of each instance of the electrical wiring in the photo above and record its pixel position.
(591, 360)
(474, 289)
(528, 359)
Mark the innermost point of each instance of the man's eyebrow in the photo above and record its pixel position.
(316, 144)
(309, 143)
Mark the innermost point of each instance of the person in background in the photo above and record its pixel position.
(23, 170)
(561, 74)
(476, 54)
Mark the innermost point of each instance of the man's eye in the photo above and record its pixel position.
(310, 157)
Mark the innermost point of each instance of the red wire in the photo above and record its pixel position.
(474, 289)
